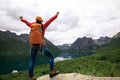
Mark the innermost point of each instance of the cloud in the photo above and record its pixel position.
(78, 18)
(65, 22)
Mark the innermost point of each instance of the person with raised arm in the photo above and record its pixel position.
(36, 39)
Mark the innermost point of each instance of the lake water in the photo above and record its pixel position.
(66, 55)
(24, 65)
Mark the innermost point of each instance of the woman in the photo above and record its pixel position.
(37, 40)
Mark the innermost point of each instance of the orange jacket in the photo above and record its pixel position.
(37, 36)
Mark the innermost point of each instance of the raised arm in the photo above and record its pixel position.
(25, 21)
(50, 20)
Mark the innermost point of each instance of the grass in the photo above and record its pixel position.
(106, 62)
(89, 66)
(99, 64)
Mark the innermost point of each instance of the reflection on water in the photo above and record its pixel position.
(66, 55)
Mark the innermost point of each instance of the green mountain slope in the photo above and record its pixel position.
(14, 52)
(106, 62)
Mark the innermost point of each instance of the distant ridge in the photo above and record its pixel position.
(85, 43)
(117, 35)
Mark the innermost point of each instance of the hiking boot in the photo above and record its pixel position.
(32, 78)
(53, 73)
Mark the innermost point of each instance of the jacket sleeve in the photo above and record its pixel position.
(26, 22)
(49, 21)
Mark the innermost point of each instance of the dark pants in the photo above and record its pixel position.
(33, 52)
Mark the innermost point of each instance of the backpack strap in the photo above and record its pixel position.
(41, 29)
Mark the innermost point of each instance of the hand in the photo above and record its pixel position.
(57, 13)
(21, 17)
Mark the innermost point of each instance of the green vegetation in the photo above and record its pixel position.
(14, 52)
(90, 65)
(106, 62)
(39, 71)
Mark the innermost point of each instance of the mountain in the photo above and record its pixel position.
(102, 40)
(82, 44)
(104, 64)
(117, 35)
(64, 46)
(14, 52)
(85, 43)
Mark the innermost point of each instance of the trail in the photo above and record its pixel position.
(76, 76)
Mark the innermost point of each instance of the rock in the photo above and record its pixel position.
(76, 76)
(15, 71)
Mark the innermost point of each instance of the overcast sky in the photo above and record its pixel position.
(77, 18)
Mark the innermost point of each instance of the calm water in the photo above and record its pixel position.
(24, 66)
(75, 54)
(66, 55)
